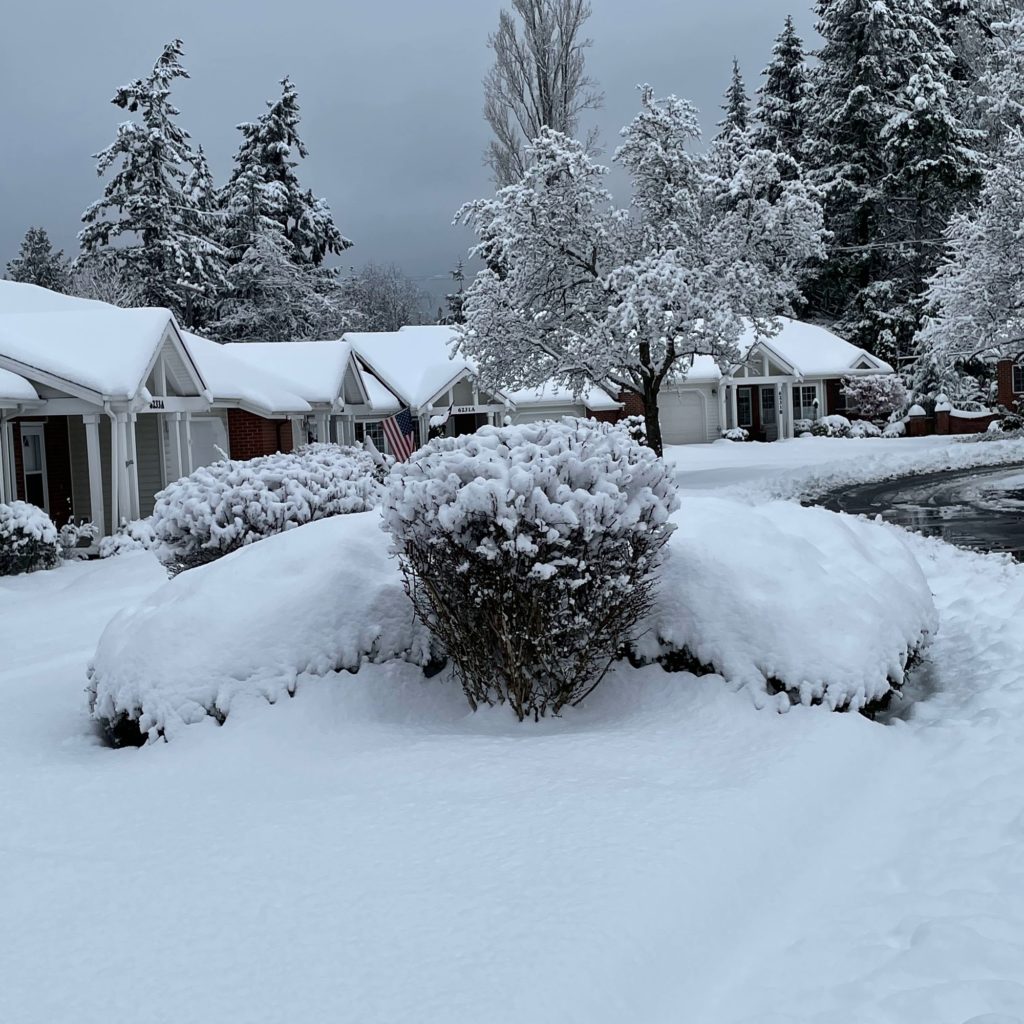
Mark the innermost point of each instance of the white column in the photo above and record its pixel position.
(6, 463)
(133, 468)
(323, 427)
(298, 431)
(780, 424)
(188, 444)
(92, 451)
(175, 424)
(723, 414)
(733, 406)
(116, 458)
(124, 492)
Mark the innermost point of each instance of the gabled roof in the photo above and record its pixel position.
(809, 350)
(381, 399)
(593, 398)
(231, 381)
(14, 388)
(414, 362)
(315, 370)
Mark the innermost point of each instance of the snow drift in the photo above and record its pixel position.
(312, 601)
(800, 605)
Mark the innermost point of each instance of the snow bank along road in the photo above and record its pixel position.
(371, 852)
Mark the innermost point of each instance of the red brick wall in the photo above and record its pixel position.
(1004, 383)
(250, 436)
(633, 404)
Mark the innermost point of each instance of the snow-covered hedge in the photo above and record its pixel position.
(28, 539)
(530, 552)
(736, 434)
(876, 396)
(134, 536)
(864, 428)
(230, 504)
(802, 427)
(831, 426)
(898, 428)
(256, 624)
(800, 605)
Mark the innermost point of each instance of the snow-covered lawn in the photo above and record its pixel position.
(372, 852)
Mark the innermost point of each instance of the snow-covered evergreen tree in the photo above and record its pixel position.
(146, 218)
(37, 263)
(455, 300)
(264, 184)
(577, 291)
(780, 116)
(736, 105)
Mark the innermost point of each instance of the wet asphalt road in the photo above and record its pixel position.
(981, 509)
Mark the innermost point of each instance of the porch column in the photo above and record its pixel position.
(6, 462)
(323, 427)
(780, 412)
(733, 406)
(92, 452)
(723, 413)
(188, 444)
(175, 425)
(298, 431)
(133, 467)
(116, 458)
(124, 491)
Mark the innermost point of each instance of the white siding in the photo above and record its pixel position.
(150, 468)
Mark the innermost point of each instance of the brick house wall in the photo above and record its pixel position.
(1005, 394)
(250, 436)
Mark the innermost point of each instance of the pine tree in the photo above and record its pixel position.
(37, 263)
(780, 117)
(736, 106)
(171, 250)
(455, 300)
(264, 184)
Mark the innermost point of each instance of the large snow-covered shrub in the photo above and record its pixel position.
(256, 624)
(530, 552)
(876, 396)
(799, 605)
(864, 428)
(28, 539)
(831, 426)
(230, 504)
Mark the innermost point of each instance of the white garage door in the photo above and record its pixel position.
(683, 419)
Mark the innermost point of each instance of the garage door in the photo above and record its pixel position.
(683, 420)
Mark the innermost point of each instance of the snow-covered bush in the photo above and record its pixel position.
(76, 534)
(530, 552)
(28, 539)
(801, 427)
(230, 504)
(258, 624)
(831, 426)
(635, 427)
(876, 396)
(134, 536)
(720, 606)
(898, 428)
(864, 428)
(736, 434)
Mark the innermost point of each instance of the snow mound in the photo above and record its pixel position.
(800, 605)
(309, 602)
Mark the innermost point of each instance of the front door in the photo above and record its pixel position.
(769, 413)
(33, 461)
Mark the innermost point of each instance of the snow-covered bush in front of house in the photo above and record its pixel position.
(134, 536)
(530, 552)
(28, 539)
(230, 504)
(802, 428)
(76, 534)
(831, 426)
(876, 396)
(800, 605)
(898, 428)
(864, 428)
(635, 427)
(736, 434)
(256, 624)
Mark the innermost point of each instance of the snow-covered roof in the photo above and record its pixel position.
(703, 370)
(98, 347)
(15, 388)
(313, 369)
(811, 351)
(16, 297)
(381, 399)
(229, 379)
(593, 398)
(414, 362)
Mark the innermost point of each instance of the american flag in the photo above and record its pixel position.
(401, 434)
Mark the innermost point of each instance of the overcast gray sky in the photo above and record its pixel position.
(390, 92)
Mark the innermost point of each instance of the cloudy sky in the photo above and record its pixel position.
(390, 92)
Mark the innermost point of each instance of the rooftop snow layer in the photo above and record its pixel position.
(231, 380)
(313, 369)
(381, 400)
(415, 362)
(811, 350)
(594, 398)
(16, 297)
(96, 346)
(14, 387)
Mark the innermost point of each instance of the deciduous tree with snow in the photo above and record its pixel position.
(577, 291)
(538, 80)
(146, 219)
(876, 396)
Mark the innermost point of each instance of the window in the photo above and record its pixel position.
(1018, 380)
(744, 413)
(804, 397)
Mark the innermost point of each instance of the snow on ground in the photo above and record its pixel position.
(369, 851)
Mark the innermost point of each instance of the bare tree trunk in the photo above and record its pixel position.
(651, 419)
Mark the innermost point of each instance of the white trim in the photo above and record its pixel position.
(95, 464)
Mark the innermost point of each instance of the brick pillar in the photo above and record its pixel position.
(1004, 384)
